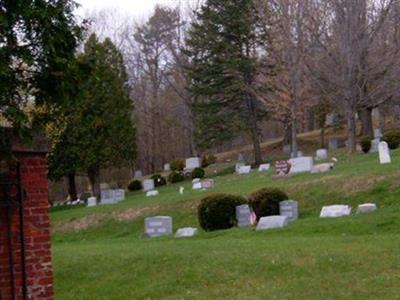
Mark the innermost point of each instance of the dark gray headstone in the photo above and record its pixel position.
(158, 226)
(289, 209)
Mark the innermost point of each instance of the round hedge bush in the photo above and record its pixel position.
(177, 165)
(392, 138)
(198, 173)
(159, 180)
(135, 185)
(365, 143)
(265, 202)
(218, 211)
(176, 177)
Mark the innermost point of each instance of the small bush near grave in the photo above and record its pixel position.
(392, 138)
(365, 144)
(159, 180)
(177, 165)
(208, 160)
(198, 173)
(176, 177)
(218, 211)
(135, 185)
(265, 202)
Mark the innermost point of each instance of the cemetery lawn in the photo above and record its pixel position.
(101, 253)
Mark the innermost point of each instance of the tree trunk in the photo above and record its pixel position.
(322, 137)
(293, 109)
(256, 145)
(72, 187)
(94, 178)
(366, 122)
(351, 132)
(287, 138)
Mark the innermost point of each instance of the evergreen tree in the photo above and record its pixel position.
(222, 46)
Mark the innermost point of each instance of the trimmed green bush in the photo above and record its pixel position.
(392, 138)
(365, 143)
(265, 202)
(218, 211)
(177, 165)
(159, 180)
(135, 185)
(176, 177)
(198, 173)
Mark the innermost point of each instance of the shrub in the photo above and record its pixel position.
(218, 211)
(176, 177)
(265, 202)
(135, 185)
(365, 144)
(392, 138)
(177, 165)
(159, 180)
(198, 173)
(208, 160)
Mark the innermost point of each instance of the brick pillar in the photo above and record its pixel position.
(36, 227)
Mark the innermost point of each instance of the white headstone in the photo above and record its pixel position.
(148, 185)
(335, 211)
(374, 145)
(264, 167)
(91, 201)
(193, 163)
(243, 215)
(322, 168)
(197, 186)
(186, 232)
(378, 133)
(289, 209)
(119, 195)
(181, 190)
(107, 197)
(301, 164)
(152, 193)
(167, 167)
(272, 222)
(196, 180)
(158, 226)
(322, 154)
(244, 170)
(366, 208)
(384, 153)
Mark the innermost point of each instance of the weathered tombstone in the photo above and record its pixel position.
(152, 193)
(282, 168)
(195, 180)
(138, 173)
(244, 170)
(322, 168)
(119, 195)
(366, 208)
(207, 184)
(107, 197)
(243, 215)
(158, 226)
(335, 211)
(148, 185)
(322, 154)
(375, 145)
(378, 133)
(384, 153)
(272, 222)
(264, 167)
(91, 201)
(192, 163)
(186, 232)
(197, 185)
(333, 144)
(241, 161)
(289, 209)
(167, 167)
(301, 164)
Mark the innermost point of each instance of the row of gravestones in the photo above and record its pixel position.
(107, 197)
(162, 225)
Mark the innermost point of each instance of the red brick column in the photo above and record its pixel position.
(36, 227)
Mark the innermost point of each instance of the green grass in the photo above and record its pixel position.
(101, 253)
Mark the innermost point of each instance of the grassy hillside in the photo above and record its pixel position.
(101, 253)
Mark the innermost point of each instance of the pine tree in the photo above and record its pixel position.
(222, 46)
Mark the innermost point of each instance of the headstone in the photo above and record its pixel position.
(138, 173)
(243, 215)
(244, 170)
(375, 145)
(119, 195)
(167, 167)
(301, 164)
(333, 144)
(91, 201)
(272, 222)
(241, 162)
(186, 232)
(322, 154)
(152, 193)
(107, 197)
(193, 163)
(158, 226)
(195, 180)
(335, 211)
(181, 190)
(331, 119)
(322, 168)
(207, 184)
(282, 167)
(384, 153)
(289, 209)
(197, 186)
(378, 133)
(264, 167)
(148, 185)
(366, 208)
